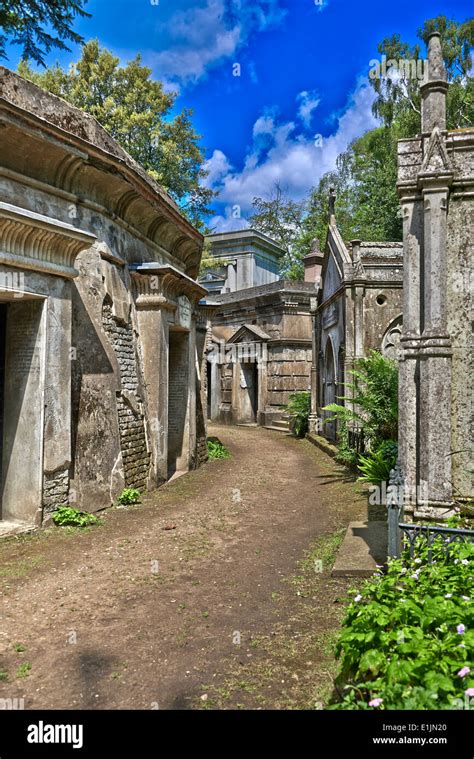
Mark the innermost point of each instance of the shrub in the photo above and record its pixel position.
(129, 496)
(298, 409)
(216, 450)
(408, 636)
(374, 392)
(377, 465)
(67, 516)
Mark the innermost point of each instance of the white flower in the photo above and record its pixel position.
(358, 598)
(417, 561)
(448, 595)
(465, 598)
(465, 562)
(403, 571)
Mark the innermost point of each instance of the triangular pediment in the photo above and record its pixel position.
(436, 159)
(249, 333)
(336, 257)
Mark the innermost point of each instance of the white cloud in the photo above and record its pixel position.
(204, 36)
(308, 101)
(227, 222)
(290, 158)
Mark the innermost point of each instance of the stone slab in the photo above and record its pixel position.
(364, 546)
(323, 444)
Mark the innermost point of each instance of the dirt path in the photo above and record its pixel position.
(226, 609)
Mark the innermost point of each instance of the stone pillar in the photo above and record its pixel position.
(412, 209)
(425, 421)
(434, 88)
(435, 354)
(262, 386)
(153, 312)
(314, 424)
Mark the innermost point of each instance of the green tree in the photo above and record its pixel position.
(398, 98)
(281, 218)
(135, 110)
(365, 176)
(24, 22)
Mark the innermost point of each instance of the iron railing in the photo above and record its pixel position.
(444, 536)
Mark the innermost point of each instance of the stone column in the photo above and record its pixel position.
(313, 417)
(408, 435)
(153, 311)
(435, 356)
(262, 364)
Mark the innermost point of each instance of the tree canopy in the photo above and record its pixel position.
(365, 176)
(25, 23)
(136, 111)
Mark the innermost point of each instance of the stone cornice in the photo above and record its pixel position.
(158, 286)
(31, 241)
(87, 162)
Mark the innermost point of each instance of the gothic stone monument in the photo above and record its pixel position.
(436, 188)
(358, 308)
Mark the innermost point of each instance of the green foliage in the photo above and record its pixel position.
(281, 218)
(136, 111)
(23, 670)
(398, 100)
(208, 261)
(33, 24)
(372, 404)
(19, 648)
(298, 409)
(409, 633)
(364, 180)
(216, 450)
(377, 465)
(129, 496)
(67, 516)
(367, 204)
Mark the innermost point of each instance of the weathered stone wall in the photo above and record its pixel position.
(55, 490)
(460, 235)
(436, 188)
(77, 216)
(135, 456)
(288, 371)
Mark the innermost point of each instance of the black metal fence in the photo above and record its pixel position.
(426, 535)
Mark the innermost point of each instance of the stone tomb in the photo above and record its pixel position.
(100, 380)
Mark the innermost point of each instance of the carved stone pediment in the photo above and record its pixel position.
(436, 159)
(40, 243)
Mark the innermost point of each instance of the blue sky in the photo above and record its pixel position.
(303, 72)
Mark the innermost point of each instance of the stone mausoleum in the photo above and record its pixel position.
(101, 336)
(260, 349)
(244, 259)
(436, 189)
(359, 308)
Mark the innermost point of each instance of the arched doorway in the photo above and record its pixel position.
(329, 389)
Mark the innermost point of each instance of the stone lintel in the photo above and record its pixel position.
(430, 182)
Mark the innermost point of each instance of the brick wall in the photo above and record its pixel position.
(177, 392)
(55, 490)
(135, 455)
